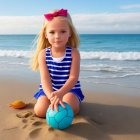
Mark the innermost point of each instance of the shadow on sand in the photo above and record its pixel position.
(105, 120)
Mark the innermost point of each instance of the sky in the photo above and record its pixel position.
(89, 16)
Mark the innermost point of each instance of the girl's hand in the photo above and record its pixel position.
(55, 99)
(51, 96)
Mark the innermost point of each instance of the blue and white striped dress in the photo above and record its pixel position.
(59, 73)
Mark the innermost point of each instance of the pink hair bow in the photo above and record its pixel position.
(61, 12)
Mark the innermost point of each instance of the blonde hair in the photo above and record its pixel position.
(42, 41)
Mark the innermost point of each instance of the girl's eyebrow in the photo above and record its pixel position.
(59, 29)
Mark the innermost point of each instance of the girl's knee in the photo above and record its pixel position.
(41, 107)
(39, 111)
(73, 101)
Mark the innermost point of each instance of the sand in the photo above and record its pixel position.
(103, 115)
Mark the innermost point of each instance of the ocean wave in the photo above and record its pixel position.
(110, 76)
(15, 53)
(8, 63)
(84, 55)
(110, 68)
(111, 55)
(101, 67)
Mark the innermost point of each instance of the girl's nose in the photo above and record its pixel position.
(57, 35)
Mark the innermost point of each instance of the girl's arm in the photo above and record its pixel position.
(44, 74)
(74, 73)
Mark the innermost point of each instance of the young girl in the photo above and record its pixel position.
(58, 61)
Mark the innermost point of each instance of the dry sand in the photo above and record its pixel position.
(103, 116)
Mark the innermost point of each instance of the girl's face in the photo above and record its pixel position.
(58, 32)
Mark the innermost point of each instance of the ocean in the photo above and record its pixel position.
(112, 59)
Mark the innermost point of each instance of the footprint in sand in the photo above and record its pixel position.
(24, 114)
(34, 133)
(25, 126)
(37, 123)
(30, 121)
(24, 120)
(31, 124)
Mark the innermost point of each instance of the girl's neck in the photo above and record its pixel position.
(58, 52)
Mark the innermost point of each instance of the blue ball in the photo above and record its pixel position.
(61, 119)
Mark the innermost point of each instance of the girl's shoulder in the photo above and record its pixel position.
(75, 52)
(42, 54)
(72, 49)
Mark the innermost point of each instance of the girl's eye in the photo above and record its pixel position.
(63, 31)
(51, 32)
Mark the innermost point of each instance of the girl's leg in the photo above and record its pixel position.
(41, 106)
(73, 101)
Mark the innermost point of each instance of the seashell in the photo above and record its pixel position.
(18, 104)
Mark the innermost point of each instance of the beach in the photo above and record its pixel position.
(109, 112)
(110, 81)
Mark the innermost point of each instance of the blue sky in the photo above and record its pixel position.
(38, 7)
(89, 16)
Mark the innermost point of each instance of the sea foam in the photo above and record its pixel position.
(84, 55)
(15, 53)
(111, 55)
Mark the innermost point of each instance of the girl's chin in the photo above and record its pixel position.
(58, 46)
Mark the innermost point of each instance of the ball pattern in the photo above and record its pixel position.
(61, 119)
